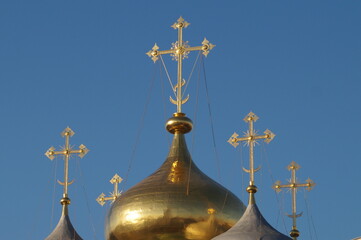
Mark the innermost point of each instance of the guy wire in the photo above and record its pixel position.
(140, 128)
(194, 130)
(53, 198)
(211, 120)
(78, 167)
(169, 79)
(273, 180)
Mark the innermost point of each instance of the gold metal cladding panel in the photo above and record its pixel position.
(163, 207)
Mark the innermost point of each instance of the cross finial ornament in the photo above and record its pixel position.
(179, 51)
(293, 186)
(66, 152)
(116, 179)
(251, 137)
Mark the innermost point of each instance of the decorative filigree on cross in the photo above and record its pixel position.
(179, 51)
(66, 151)
(116, 179)
(251, 137)
(293, 186)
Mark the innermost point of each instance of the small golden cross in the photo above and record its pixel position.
(293, 186)
(116, 179)
(180, 51)
(251, 137)
(66, 151)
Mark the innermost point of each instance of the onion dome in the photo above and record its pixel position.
(252, 226)
(64, 230)
(177, 201)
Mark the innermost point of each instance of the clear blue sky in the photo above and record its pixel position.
(296, 64)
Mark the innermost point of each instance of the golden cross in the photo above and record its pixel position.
(251, 137)
(180, 51)
(116, 179)
(294, 185)
(66, 151)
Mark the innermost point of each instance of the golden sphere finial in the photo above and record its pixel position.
(179, 123)
(294, 233)
(65, 201)
(251, 189)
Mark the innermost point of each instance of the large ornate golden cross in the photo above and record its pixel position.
(293, 186)
(179, 51)
(116, 179)
(251, 137)
(66, 151)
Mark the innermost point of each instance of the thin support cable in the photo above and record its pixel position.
(39, 207)
(139, 131)
(164, 100)
(194, 131)
(282, 208)
(273, 180)
(190, 75)
(243, 185)
(225, 200)
(169, 79)
(55, 166)
(212, 128)
(86, 196)
(211, 120)
(261, 175)
(310, 218)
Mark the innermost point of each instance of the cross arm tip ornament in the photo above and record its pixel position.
(206, 47)
(181, 23)
(269, 136)
(50, 153)
(293, 166)
(153, 53)
(277, 186)
(116, 179)
(310, 184)
(250, 117)
(83, 150)
(67, 132)
(101, 199)
(233, 140)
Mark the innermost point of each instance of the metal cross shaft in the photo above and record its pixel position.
(251, 138)
(116, 179)
(66, 152)
(179, 51)
(293, 186)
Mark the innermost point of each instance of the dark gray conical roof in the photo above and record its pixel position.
(64, 230)
(252, 226)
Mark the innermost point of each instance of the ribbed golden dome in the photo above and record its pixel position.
(177, 201)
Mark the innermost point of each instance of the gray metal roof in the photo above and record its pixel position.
(252, 226)
(64, 230)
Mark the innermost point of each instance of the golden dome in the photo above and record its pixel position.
(177, 201)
